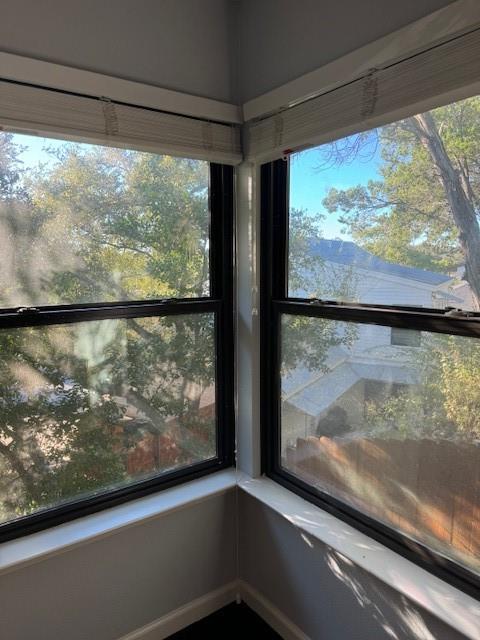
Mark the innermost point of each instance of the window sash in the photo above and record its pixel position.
(275, 303)
(220, 303)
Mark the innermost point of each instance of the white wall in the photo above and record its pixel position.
(175, 44)
(109, 587)
(280, 40)
(320, 591)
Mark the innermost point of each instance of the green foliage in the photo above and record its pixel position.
(460, 365)
(99, 224)
(445, 404)
(308, 275)
(406, 217)
(306, 341)
(132, 225)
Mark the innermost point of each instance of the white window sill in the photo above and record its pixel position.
(447, 603)
(37, 546)
(452, 606)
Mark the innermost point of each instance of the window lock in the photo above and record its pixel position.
(24, 310)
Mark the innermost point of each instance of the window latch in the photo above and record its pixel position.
(452, 312)
(24, 310)
(321, 301)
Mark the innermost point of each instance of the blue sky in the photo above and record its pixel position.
(311, 178)
(35, 151)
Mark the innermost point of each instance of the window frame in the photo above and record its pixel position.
(275, 302)
(219, 302)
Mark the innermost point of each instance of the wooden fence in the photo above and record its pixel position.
(429, 490)
(166, 449)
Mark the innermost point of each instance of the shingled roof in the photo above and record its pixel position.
(348, 253)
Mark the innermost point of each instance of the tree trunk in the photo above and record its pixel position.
(22, 472)
(458, 195)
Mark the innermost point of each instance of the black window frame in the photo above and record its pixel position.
(275, 302)
(219, 302)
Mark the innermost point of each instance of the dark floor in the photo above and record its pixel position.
(233, 621)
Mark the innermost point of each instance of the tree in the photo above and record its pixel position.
(308, 274)
(306, 342)
(99, 224)
(424, 210)
(445, 402)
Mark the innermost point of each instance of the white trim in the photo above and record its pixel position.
(50, 542)
(235, 591)
(56, 76)
(454, 607)
(186, 614)
(248, 326)
(442, 600)
(270, 613)
(438, 26)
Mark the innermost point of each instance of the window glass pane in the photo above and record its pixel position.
(393, 431)
(390, 216)
(85, 223)
(405, 337)
(97, 405)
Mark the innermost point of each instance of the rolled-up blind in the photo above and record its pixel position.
(445, 73)
(43, 111)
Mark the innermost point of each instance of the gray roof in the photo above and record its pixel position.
(346, 252)
(301, 376)
(321, 394)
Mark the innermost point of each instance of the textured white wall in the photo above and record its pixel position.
(320, 590)
(111, 586)
(182, 45)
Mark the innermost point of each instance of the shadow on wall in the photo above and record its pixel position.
(321, 590)
(408, 623)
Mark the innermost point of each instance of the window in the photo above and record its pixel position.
(115, 326)
(359, 237)
(405, 338)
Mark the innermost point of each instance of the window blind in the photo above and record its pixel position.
(442, 74)
(28, 109)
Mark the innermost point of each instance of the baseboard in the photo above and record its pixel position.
(270, 613)
(213, 601)
(186, 614)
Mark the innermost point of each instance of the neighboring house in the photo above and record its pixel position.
(376, 281)
(380, 358)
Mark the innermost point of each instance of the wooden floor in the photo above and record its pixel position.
(233, 621)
